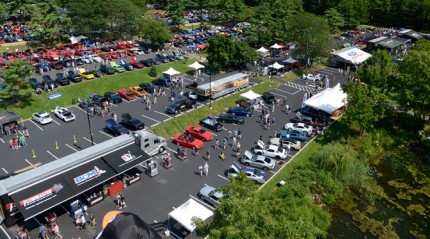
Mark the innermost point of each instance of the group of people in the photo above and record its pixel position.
(19, 136)
(204, 169)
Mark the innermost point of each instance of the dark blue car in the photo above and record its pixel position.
(292, 135)
(240, 111)
(114, 129)
(161, 82)
(127, 66)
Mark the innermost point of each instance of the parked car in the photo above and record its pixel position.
(199, 133)
(147, 87)
(300, 127)
(73, 77)
(131, 123)
(180, 105)
(311, 77)
(48, 80)
(210, 195)
(161, 58)
(116, 67)
(254, 174)
(293, 135)
(147, 62)
(113, 97)
(240, 111)
(55, 65)
(137, 90)
(230, 118)
(107, 70)
(85, 74)
(187, 141)
(136, 64)
(268, 98)
(299, 118)
(272, 151)
(258, 161)
(61, 80)
(64, 114)
(99, 100)
(96, 73)
(114, 128)
(212, 124)
(41, 118)
(284, 142)
(85, 103)
(126, 66)
(126, 94)
(34, 83)
(165, 82)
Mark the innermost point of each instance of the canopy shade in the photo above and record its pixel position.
(7, 117)
(262, 50)
(276, 66)
(328, 100)
(250, 95)
(187, 211)
(77, 39)
(276, 46)
(351, 55)
(171, 72)
(290, 60)
(196, 65)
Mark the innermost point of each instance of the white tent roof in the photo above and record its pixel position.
(351, 55)
(290, 60)
(77, 39)
(262, 50)
(196, 65)
(171, 72)
(276, 66)
(187, 211)
(250, 95)
(276, 46)
(328, 100)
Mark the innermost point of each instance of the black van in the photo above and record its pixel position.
(268, 98)
(180, 105)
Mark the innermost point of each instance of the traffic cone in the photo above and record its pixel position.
(74, 139)
(56, 145)
(34, 154)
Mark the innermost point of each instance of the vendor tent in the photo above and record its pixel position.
(276, 66)
(190, 209)
(262, 50)
(290, 60)
(77, 39)
(276, 46)
(250, 95)
(171, 72)
(7, 117)
(351, 55)
(328, 100)
(196, 65)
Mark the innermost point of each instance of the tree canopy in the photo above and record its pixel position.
(15, 79)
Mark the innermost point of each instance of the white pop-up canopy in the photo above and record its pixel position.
(184, 213)
(276, 46)
(196, 65)
(77, 39)
(276, 66)
(351, 55)
(250, 95)
(328, 100)
(290, 60)
(171, 72)
(262, 50)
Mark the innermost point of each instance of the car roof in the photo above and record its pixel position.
(126, 116)
(110, 123)
(236, 167)
(261, 143)
(248, 154)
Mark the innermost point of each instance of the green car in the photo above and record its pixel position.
(230, 118)
(117, 67)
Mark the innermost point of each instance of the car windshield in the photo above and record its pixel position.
(258, 172)
(202, 131)
(67, 113)
(45, 116)
(267, 160)
(191, 139)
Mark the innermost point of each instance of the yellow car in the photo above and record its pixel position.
(137, 90)
(83, 73)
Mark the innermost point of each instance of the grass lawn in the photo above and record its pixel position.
(99, 86)
(179, 123)
(10, 47)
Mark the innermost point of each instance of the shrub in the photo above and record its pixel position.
(153, 72)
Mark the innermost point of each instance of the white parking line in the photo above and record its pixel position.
(202, 202)
(36, 125)
(88, 140)
(28, 162)
(4, 232)
(214, 134)
(71, 148)
(162, 114)
(277, 94)
(223, 177)
(174, 151)
(82, 109)
(2, 140)
(51, 154)
(108, 135)
(4, 170)
(56, 122)
(124, 100)
(155, 221)
(155, 124)
(285, 91)
(151, 118)
(272, 171)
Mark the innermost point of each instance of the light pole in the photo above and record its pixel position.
(210, 90)
(89, 126)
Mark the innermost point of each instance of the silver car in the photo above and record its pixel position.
(210, 195)
(272, 151)
(284, 142)
(258, 161)
(254, 174)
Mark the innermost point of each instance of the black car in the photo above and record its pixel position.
(231, 118)
(72, 76)
(98, 100)
(84, 104)
(131, 123)
(34, 83)
(192, 86)
(107, 70)
(162, 58)
(170, 56)
(114, 97)
(268, 98)
(147, 62)
(79, 62)
(61, 80)
(96, 73)
(66, 63)
(156, 61)
(180, 105)
(127, 66)
(162, 82)
(212, 124)
(46, 79)
(114, 129)
(147, 87)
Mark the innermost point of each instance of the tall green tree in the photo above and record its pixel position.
(123, 18)
(156, 31)
(312, 34)
(334, 19)
(354, 12)
(225, 10)
(219, 51)
(15, 79)
(176, 9)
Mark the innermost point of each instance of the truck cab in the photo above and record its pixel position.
(151, 143)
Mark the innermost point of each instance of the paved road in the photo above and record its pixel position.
(152, 198)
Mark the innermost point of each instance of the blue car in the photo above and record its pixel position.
(114, 128)
(127, 66)
(240, 111)
(292, 135)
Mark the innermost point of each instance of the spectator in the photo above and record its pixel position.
(201, 170)
(206, 169)
(43, 232)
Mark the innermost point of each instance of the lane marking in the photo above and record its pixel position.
(223, 177)
(82, 110)
(106, 134)
(155, 221)
(151, 118)
(174, 151)
(89, 140)
(2, 140)
(162, 114)
(71, 147)
(155, 124)
(28, 162)
(56, 122)
(202, 202)
(38, 126)
(51, 154)
(4, 170)
(4, 232)
(272, 171)
(285, 91)
(125, 100)
(277, 94)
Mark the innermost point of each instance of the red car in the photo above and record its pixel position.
(126, 94)
(136, 64)
(188, 141)
(199, 133)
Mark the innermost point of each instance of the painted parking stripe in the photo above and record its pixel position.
(124, 100)
(283, 91)
(277, 94)
(26, 160)
(171, 149)
(51, 154)
(155, 124)
(82, 110)
(162, 114)
(106, 134)
(2, 140)
(56, 122)
(71, 147)
(4, 232)
(202, 202)
(151, 119)
(223, 177)
(4, 170)
(89, 140)
(36, 125)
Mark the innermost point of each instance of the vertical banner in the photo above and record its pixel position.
(305, 97)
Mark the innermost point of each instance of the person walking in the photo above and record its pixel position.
(93, 220)
(273, 120)
(25, 132)
(239, 134)
(57, 232)
(206, 169)
(224, 143)
(114, 117)
(43, 232)
(287, 109)
(196, 152)
(288, 148)
(155, 99)
(118, 200)
(22, 141)
(201, 170)
(208, 154)
(216, 144)
(233, 142)
(83, 221)
(123, 204)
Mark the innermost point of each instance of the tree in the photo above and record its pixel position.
(156, 31)
(243, 53)
(123, 17)
(225, 10)
(312, 35)
(354, 12)
(176, 9)
(334, 19)
(219, 51)
(87, 15)
(15, 81)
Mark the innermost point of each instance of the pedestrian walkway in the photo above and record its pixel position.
(298, 86)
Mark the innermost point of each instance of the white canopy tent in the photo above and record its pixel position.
(171, 72)
(196, 66)
(250, 95)
(262, 50)
(184, 214)
(290, 60)
(77, 39)
(351, 55)
(276, 66)
(276, 46)
(328, 100)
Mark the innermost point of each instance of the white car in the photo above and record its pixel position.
(272, 151)
(42, 118)
(284, 142)
(64, 114)
(211, 195)
(258, 161)
(86, 59)
(300, 127)
(95, 58)
(311, 77)
(254, 174)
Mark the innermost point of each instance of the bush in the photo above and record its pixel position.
(153, 72)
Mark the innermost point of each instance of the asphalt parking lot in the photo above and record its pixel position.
(154, 197)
